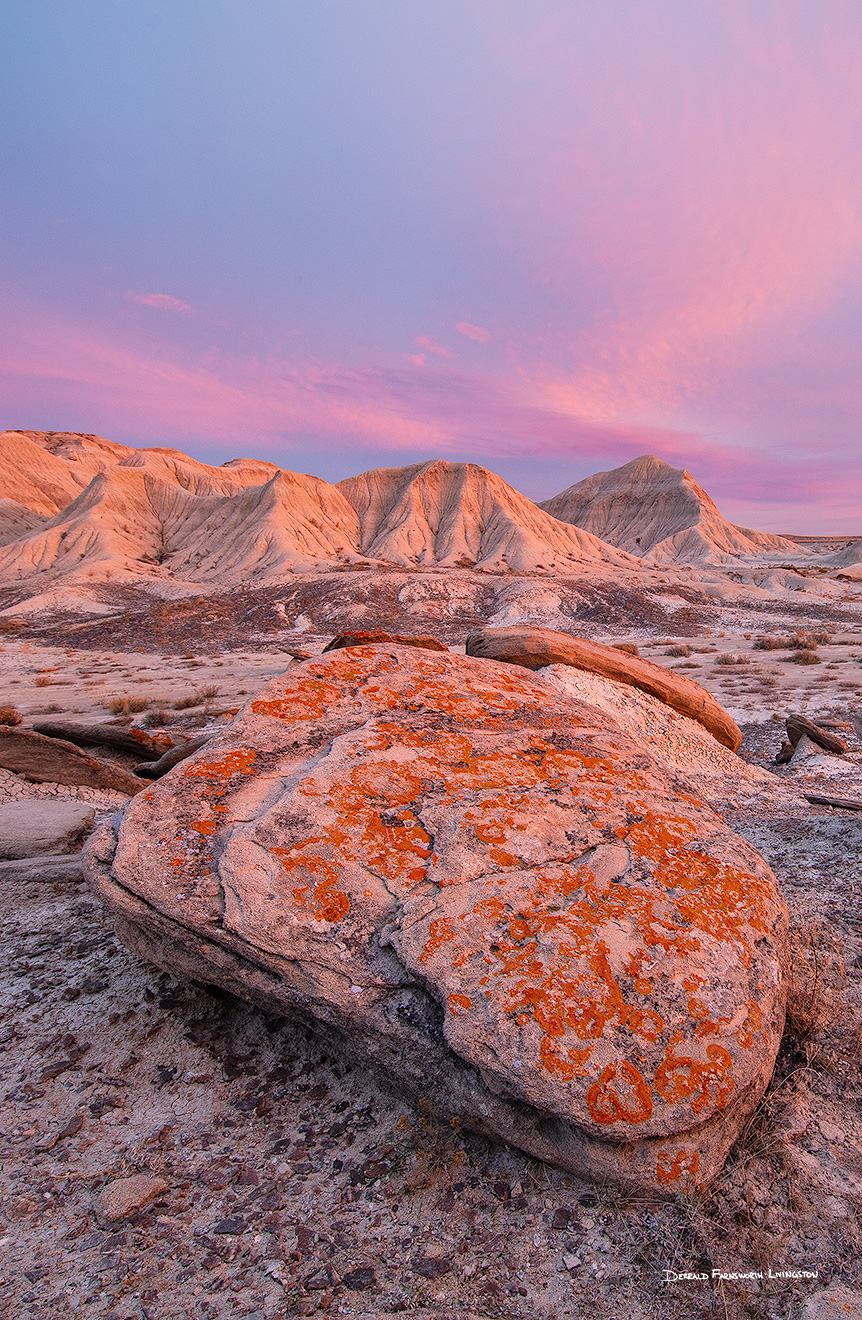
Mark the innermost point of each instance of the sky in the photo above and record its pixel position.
(542, 237)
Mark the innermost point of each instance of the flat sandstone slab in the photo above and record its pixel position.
(492, 895)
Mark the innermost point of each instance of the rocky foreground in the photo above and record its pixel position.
(168, 1150)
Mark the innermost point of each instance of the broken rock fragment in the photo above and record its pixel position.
(53, 761)
(488, 892)
(534, 648)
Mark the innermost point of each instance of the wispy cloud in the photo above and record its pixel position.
(474, 332)
(429, 343)
(162, 300)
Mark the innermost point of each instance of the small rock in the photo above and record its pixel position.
(125, 1196)
(831, 1131)
(53, 761)
(798, 728)
(561, 1217)
(232, 1225)
(360, 1278)
(571, 1262)
(429, 1267)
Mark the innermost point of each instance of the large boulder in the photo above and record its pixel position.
(490, 893)
(534, 648)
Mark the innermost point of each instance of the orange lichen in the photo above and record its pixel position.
(239, 761)
(620, 1095)
(682, 1077)
(679, 1168)
(459, 1003)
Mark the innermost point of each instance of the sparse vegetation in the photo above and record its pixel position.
(42, 680)
(770, 643)
(808, 641)
(186, 703)
(157, 719)
(678, 650)
(9, 715)
(727, 658)
(805, 657)
(629, 647)
(818, 978)
(126, 705)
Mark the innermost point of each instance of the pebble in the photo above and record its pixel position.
(125, 1196)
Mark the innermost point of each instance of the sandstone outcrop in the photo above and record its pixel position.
(490, 894)
(534, 648)
(52, 761)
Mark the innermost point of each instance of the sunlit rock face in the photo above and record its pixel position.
(491, 894)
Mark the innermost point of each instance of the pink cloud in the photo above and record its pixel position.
(475, 332)
(427, 342)
(62, 373)
(705, 220)
(162, 300)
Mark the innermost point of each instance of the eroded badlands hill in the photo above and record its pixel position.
(658, 512)
(78, 508)
(460, 515)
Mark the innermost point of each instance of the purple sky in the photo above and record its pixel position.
(544, 237)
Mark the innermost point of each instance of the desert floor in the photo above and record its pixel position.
(299, 1185)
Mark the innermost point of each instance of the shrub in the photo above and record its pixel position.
(126, 705)
(770, 643)
(805, 657)
(43, 680)
(209, 691)
(9, 715)
(678, 650)
(727, 659)
(628, 647)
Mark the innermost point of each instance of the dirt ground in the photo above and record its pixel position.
(297, 1184)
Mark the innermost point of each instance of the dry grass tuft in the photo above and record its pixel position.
(678, 650)
(9, 715)
(818, 979)
(805, 657)
(126, 705)
(629, 647)
(808, 641)
(158, 719)
(186, 703)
